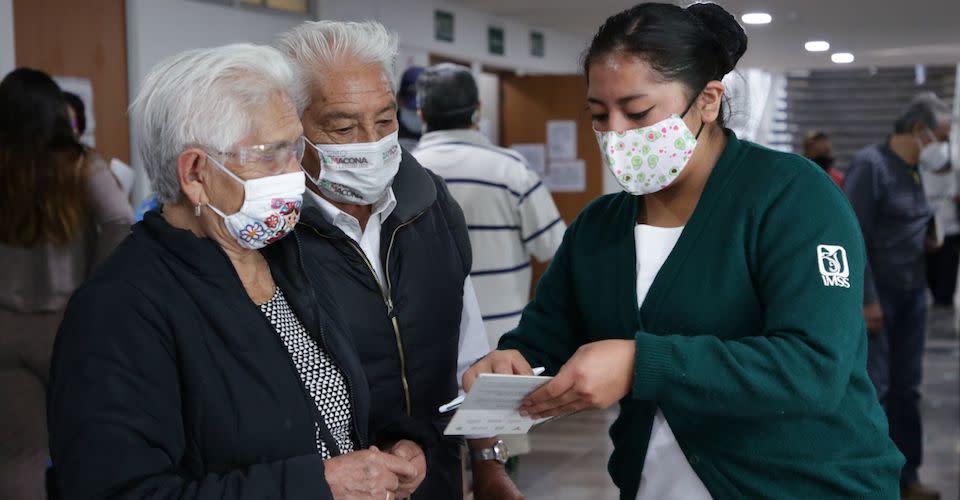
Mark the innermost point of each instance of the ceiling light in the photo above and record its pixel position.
(756, 18)
(842, 58)
(817, 46)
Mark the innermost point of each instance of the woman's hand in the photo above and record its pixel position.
(503, 362)
(596, 376)
(409, 451)
(366, 475)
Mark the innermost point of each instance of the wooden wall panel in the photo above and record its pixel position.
(527, 103)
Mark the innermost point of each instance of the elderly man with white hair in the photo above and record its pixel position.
(201, 362)
(886, 190)
(394, 241)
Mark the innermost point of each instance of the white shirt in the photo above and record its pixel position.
(510, 215)
(666, 473)
(473, 343)
(941, 191)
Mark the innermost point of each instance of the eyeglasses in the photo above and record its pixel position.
(275, 157)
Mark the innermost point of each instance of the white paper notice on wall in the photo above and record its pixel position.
(535, 154)
(562, 139)
(83, 87)
(566, 176)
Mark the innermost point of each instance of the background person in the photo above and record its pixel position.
(737, 347)
(409, 121)
(510, 214)
(884, 186)
(63, 214)
(818, 148)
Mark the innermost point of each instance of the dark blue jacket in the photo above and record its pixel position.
(888, 197)
(408, 330)
(167, 380)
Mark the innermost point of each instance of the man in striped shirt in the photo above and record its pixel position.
(510, 213)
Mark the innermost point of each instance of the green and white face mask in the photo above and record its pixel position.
(358, 173)
(648, 159)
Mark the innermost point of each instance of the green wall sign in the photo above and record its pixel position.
(536, 44)
(495, 41)
(443, 26)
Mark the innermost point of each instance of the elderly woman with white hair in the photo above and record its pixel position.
(201, 362)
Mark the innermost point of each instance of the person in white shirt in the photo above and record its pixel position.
(392, 239)
(510, 213)
(940, 186)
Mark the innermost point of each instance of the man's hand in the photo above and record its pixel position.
(491, 482)
(409, 451)
(366, 475)
(598, 375)
(873, 315)
(490, 479)
(502, 362)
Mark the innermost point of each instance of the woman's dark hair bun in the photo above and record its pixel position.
(729, 33)
(693, 45)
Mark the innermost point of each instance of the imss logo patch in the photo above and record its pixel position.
(834, 268)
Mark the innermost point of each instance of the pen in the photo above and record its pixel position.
(453, 405)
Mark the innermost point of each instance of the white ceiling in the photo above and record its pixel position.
(877, 32)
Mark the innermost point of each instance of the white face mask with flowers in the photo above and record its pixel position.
(648, 159)
(270, 210)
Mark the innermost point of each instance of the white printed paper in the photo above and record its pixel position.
(562, 139)
(124, 174)
(938, 233)
(491, 406)
(566, 176)
(535, 154)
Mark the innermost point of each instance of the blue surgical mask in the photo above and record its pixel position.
(410, 120)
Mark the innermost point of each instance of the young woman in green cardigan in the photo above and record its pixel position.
(718, 298)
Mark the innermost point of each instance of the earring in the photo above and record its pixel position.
(196, 211)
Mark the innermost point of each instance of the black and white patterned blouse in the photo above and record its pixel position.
(321, 377)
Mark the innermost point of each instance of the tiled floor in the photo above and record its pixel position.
(941, 405)
(569, 461)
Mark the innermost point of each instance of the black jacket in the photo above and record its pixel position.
(408, 330)
(168, 382)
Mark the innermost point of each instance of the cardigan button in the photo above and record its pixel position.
(694, 460)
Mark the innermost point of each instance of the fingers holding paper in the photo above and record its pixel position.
(499, 362)
(598, 375)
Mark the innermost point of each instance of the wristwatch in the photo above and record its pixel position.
(498, 452)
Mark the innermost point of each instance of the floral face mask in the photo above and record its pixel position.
(648, 159)
(270, 210)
